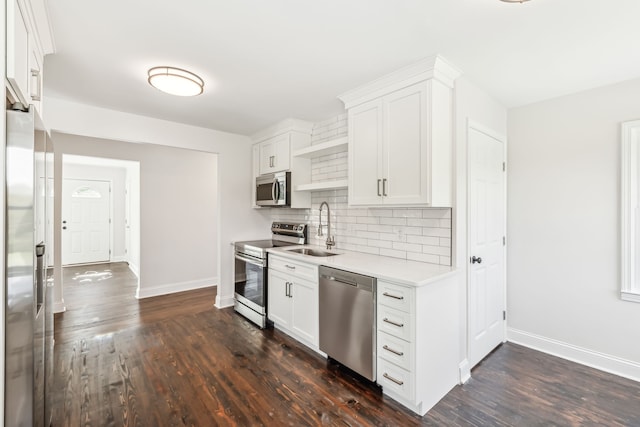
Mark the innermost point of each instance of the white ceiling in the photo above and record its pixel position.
(266, 60)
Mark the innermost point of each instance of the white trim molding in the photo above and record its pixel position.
(171, 288)
(630, 211)
(465, 371)
(59, 307)
(224, 302)
(601, 361)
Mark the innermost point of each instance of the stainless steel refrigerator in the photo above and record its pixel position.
(28, 311)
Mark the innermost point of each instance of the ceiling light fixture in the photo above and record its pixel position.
(175, 81)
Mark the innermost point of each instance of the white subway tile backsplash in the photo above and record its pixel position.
(424, 240)
(393, 253)
(422, 235)
(419, 222)
(409, 247)
(433, 259)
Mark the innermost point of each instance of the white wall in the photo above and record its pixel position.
(563, 229)
(236, 220)
(116, 176)
(471, 103)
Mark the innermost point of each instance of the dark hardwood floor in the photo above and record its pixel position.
(177, 361)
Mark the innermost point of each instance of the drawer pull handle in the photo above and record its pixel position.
(390, 378)
(392, 296)
(399, 325)
(399, 353)
(292, 267)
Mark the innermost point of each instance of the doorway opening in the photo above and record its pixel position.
(100, 205)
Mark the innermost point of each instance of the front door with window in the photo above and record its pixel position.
(85, 221)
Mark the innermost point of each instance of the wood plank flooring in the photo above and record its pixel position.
(177, 361)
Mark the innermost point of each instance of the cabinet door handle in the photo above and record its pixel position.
(290, 267)
(379, 194)
(286, 289)
(392, 296)
(35, 83)
(391, 322)
(399, 353)
(384, 187)
(290, 289)
(390, 378)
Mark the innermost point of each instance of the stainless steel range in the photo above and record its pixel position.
(251, 269)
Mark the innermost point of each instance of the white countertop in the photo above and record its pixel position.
(397, 270)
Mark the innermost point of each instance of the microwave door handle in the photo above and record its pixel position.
(275, 190)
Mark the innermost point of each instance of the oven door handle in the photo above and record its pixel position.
(250, 260)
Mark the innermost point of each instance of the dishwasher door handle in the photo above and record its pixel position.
(333, 279)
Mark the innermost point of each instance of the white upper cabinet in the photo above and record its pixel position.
(26, 24)
(400, 137)
(275, 154)
(18, 51)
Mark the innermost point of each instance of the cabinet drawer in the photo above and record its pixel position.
(395, 322)
(395, 379)
(395, 296)
(294, 268)
(395, 350)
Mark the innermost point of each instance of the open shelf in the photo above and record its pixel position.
(324, 185)
(323, 149)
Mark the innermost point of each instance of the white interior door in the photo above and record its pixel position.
(85, 221)
(486, 282)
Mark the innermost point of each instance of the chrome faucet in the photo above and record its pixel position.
(330, 241)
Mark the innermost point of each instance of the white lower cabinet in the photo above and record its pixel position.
(417, 342)
(293, 299)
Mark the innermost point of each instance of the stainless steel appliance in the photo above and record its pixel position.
(274, 189)
(28, 316)
(250, 270)
(348, 319)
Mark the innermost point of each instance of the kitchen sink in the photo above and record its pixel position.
(311, 252)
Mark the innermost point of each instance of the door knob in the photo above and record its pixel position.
(64, 228)
(476, 259)
(64, 222)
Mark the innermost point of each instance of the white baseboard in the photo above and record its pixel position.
(171, 288)
(604, 362)
(59, 307)
(465, 371)
(121, 258)
(134, 269)
(224, 302)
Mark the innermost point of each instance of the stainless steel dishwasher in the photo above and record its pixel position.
(348, 319)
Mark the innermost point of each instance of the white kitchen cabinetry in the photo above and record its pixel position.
(274, 146)
(400, 137)
(293, 299)
(18, 51)
(418, 342)
(26, 50)
(274, 154)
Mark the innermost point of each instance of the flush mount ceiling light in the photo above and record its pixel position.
(175, 81)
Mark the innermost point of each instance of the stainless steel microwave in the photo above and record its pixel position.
(274, 189)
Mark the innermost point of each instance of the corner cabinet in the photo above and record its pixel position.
(401, 137)
(292, 293)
